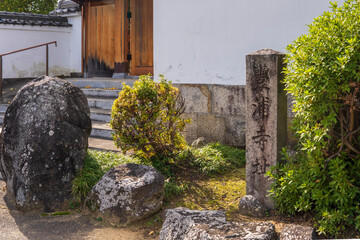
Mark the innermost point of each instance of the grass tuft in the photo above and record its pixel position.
(212, 159)
(216, 158)
(97, 163)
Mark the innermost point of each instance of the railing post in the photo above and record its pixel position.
(1, 78)
(47, 60)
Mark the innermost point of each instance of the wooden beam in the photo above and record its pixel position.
(121, 36)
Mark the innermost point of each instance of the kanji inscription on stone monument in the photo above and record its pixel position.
(266, 106)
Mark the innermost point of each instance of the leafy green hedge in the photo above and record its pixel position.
(28, 6)
(323, 75)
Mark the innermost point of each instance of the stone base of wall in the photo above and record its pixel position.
(217, 113)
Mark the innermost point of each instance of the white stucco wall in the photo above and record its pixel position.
(63, 59)
(206, 41)
(75, 42)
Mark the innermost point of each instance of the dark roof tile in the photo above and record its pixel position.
(33, 19)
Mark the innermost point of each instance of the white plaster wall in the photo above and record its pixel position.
(206, 41)
(32, 63)
(75, 43)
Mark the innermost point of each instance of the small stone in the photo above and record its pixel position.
(297, 232)
(250, 206)
(127, 193)
(198, 142)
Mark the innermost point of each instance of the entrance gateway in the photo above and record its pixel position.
(117, 37)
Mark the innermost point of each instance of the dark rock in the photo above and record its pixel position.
(44, 141)
(250, 206)
(198, 142)
(127, 193)
(297, 232)
(184, 224)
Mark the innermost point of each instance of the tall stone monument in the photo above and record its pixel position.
(266, 109)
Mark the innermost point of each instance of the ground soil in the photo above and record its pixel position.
(216, 193)
(75, 226)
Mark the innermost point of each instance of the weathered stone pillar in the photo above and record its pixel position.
(266, 108)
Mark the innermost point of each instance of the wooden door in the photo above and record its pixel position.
(141, 37)
(100, 39)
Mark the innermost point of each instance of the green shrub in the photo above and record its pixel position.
(146, 119)
(323, 75)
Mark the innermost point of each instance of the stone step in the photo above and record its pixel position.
(100, 103)
(104, 83)
(100, 115)
(101, 130)
(102, 144)
(3, 108)
(101, 93)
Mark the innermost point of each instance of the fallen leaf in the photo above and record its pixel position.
(11, 89)
(87, 87)
(152, 232)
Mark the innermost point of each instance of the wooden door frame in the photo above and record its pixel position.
(134, 71)
(122, 38)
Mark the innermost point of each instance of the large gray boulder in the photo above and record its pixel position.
(184, 224)
(127, 193)
(44, 142)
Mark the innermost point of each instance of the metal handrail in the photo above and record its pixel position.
(21, 50)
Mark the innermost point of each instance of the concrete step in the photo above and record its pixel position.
(101, 130)
(104, 83)
(100, 115)
(102, 144)
(100, 103)
(101, 93)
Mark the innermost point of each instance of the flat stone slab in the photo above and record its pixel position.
(297, 232)
(103, 144)
(184, 224)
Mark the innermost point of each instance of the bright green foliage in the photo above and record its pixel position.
(215, 158)
(146, 119)
(28, 6)
(323, 75)
(97, 163)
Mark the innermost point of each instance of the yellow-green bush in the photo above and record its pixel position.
(146, 119)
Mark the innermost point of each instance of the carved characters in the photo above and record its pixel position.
(261, 110)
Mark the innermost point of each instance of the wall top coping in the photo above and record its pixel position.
(31, 19)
